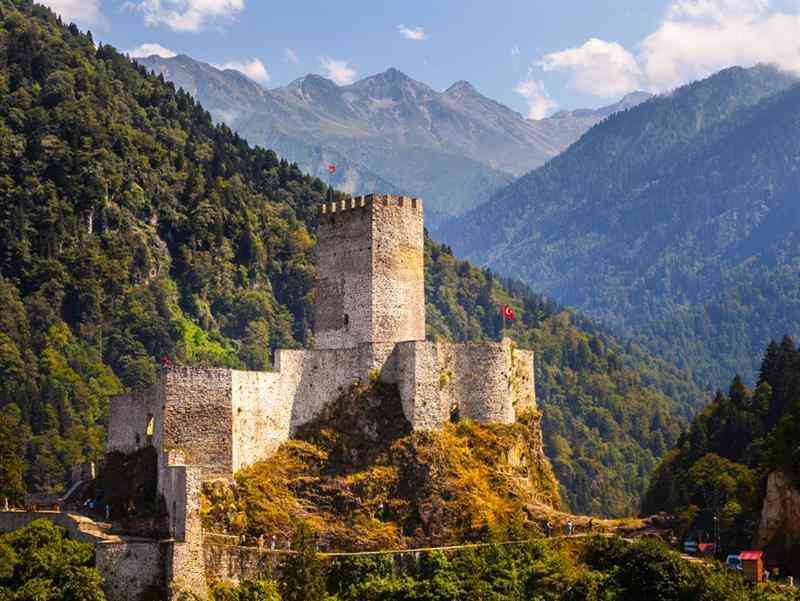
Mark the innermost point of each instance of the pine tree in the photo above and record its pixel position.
(303, 572)
(14, 437)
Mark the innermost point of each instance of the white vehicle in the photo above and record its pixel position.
(733, 562)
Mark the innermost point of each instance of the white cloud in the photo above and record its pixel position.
(146, 50)
(539, 102)
(694, 39)
(412, 33)
(254, 69)
(699, 37)
(291, 56)
(85, 12)
(515, 51)
(599, 68)
(185, 15)
(338, 71)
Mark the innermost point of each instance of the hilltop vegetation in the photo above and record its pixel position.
(132, 227)
(361, 480)
(675, 222)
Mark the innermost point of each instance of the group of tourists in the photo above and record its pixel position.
(271, 544)
(568, 527)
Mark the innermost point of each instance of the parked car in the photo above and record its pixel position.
(733, 562)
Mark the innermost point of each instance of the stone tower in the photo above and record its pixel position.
(370, 278)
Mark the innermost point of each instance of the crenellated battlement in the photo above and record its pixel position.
(358, 202)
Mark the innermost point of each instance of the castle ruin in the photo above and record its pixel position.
(369, 321)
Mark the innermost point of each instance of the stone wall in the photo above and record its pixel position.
(370, 282)
(262, 412)
(342, 309)
(481, 381)
(181, 487)
(268, 407)
(198, 417)
(398, 280)
(234, 564)
(132, 569)
(128, 419)
(418, 370)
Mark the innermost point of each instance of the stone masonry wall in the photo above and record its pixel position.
(132, 569)
(418, 381)
(181, 487)
(127, 420)
(370, 282)
(398, 280)
(198, 417)
(74, 524)
(481, 381)
(342, 310)
(490, 383)
(262, 412)
(233, 564)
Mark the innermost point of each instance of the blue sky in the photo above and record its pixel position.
(536, 56)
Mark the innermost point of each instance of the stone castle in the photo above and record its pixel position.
(369, 321)
(369, 316)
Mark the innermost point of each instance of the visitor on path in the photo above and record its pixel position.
(5, 504)
(165, 361)
(549, 527)
(591, 524)
(260, 541)
(273, 543)
(108, 512)
(569, 528)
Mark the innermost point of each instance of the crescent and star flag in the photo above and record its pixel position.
(508, 313)
(331, 168)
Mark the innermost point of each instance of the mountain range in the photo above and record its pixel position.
(388, 132)
(676, 222)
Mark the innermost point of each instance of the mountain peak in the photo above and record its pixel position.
(394, 73)
(460, 88)
(310, 79)
(392, 76)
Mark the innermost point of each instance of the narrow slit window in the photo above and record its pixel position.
(151, 425)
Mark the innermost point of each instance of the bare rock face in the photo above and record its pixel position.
(779, 530)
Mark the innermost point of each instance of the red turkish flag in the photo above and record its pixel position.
(508, 313)
(331, 168)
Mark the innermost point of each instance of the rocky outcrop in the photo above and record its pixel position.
(779, 530)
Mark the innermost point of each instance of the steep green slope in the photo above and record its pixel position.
(676, 221)
(610, 410)
(720, 465)
(132, 227)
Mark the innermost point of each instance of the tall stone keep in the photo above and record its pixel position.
(370, 277)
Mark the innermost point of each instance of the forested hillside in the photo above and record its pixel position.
(720, 465)
(132, 227)
(676, 221)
